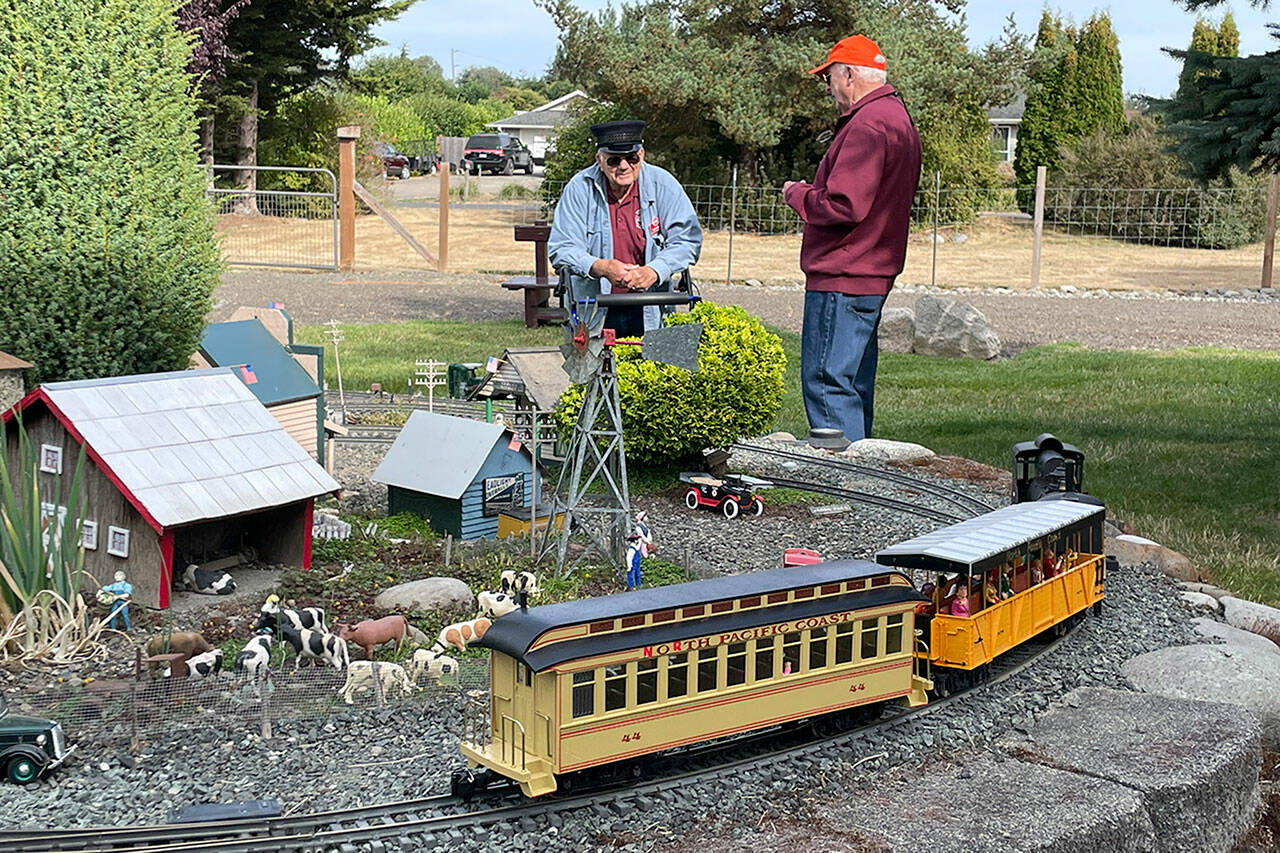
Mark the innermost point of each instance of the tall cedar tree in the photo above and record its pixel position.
(723, 83)
(1223, 41)
(107, 247)
(1075, 90)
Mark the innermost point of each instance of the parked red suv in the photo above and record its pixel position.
(395, 163)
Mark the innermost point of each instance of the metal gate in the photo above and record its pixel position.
(292, 224)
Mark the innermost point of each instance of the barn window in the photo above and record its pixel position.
(764, 658)
(584, 693)
(89, 536)
(844, 641)
(708, 659)
(677, 675)
(870, 630)
(117, 541)
(646, 681)
(893, 635)
(615, 687)
(736, 665)
(791, 653)
(817, 648)
(50, 459)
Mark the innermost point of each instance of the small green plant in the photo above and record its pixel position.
(406, 525)
(514, 191)
(658, 572)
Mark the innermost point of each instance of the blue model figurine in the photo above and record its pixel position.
(118, 595)
(639, 544)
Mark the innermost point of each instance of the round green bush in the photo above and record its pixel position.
(670, 414)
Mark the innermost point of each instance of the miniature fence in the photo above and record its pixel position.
(127, 711)
(289, 219)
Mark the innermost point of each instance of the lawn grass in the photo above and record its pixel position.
(1178, 443)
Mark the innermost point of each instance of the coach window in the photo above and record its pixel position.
(893, 635)
(646, 681)
(817, 648)
(764, 658)
(870, 635)
(791, 653)
(677, 675)
(708, 660)
(615, 687)
(584, 693)
(844, 641)
(736, 665)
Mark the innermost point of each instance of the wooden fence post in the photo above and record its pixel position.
(442, 253)
(1038, 229)
(1269, 249)
(347, 137)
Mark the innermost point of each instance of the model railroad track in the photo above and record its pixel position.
(431, 816)
(369, 434)
(856, 496)
(970, 505)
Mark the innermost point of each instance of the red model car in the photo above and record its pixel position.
(732, 494)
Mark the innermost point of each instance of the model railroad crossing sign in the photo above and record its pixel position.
(592, 490)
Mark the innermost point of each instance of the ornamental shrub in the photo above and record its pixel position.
(670, 414)
(108, 257)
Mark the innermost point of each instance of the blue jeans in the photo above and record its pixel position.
(838, 357)
(633, 568)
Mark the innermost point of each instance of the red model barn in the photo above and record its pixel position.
(180, 467)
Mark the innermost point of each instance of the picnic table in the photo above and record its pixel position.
(537, 288)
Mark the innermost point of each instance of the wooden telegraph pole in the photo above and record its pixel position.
(442, 253)
(347, 137)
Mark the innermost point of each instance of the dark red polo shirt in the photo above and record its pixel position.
(624, 221)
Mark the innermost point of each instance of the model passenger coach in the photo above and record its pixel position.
(604, 680)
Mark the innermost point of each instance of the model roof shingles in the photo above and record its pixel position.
(191, 445)
(438, 454)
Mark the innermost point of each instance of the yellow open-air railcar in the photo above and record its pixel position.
(599, 681)
(1044, 562)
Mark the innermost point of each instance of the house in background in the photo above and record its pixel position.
(11, 384)
(179, 468)
(291, 394)
(1004, 121)
(457, 473)
(537, 127)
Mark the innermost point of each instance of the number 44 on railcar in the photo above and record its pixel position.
(587, 683)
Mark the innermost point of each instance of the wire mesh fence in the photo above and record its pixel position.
(282, 220)
(123, 711)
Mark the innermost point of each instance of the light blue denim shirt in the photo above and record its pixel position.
(581, 235)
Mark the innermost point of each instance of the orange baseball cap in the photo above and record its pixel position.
(854, 50)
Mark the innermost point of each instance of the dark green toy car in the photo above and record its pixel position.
(29, 746)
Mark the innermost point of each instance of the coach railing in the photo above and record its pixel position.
(293, 223)
(509, 726)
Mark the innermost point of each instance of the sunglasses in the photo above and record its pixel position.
(613, 160)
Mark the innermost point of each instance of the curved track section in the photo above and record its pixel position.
(868, 498)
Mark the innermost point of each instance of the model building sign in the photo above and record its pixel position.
(500, 493)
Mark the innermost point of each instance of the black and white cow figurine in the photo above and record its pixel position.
(317, 646)
(255, 658)
(208, 581)
(204, 665)
(273, 616)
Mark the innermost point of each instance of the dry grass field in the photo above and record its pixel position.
(995, 253)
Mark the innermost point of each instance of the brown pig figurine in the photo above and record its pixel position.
(374, 632)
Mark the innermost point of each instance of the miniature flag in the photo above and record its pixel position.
(248, 375)
(492, 365)
(514, 443)
(274, 304)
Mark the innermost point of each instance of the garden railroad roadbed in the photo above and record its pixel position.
(1153, 319)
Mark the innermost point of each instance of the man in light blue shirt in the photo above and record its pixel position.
(624, 225)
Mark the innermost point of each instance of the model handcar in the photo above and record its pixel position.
(731, 494)
(29, 746)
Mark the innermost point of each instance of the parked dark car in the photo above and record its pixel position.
(29, 746)
(496, 152)
(395, 163)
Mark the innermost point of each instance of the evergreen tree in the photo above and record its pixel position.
(1039, 128)
(107, 248)
(1099, 83)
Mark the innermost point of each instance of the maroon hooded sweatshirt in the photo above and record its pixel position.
(857, 210)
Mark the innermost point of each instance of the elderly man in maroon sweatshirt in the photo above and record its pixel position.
(856, 214)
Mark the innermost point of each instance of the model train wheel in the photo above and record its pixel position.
(757, 507)
(691, 498)
(730, 507)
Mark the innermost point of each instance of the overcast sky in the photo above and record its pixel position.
(519, 38)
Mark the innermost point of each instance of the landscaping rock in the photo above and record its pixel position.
(949, 328)
(1242, 676)
(1131, 549)
(1251, 616)
(1234, 636)
(897, 330)
(887, 451)
(1195, 764)
(1207, 588)
(1199, 601)
(428, 594)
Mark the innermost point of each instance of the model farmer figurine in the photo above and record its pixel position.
(118, 595)
(639, 544)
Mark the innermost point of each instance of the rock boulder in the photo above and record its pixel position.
(1215, 630)
(1130, 549)
(949, 328)
(897, 330)
(448, 594)
(887, 451)
(1253, 617)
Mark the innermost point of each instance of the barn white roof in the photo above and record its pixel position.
(976, 539)
(190, 445)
